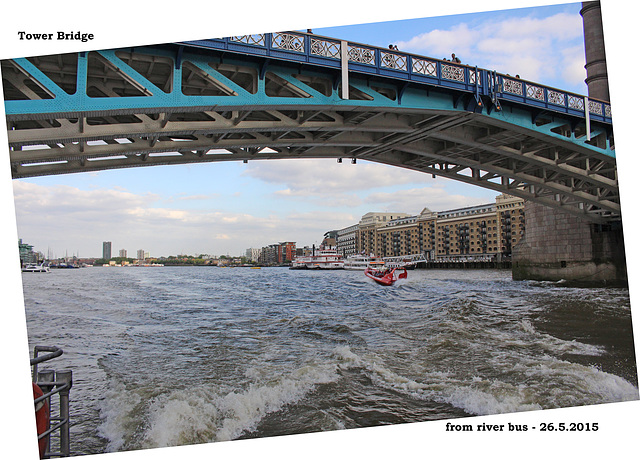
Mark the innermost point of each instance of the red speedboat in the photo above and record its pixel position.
(385, 277)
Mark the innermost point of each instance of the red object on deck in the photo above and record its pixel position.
(385, 277)
(42, 418)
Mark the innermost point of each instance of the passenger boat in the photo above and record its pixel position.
(320, 259)
(361, 261)
(387, 276)
(65, 265)
(34, 268)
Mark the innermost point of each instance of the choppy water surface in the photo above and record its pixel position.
(165, 356)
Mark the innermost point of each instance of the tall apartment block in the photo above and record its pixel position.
(106, 250)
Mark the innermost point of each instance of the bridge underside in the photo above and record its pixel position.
(268, 111)
(463, 146)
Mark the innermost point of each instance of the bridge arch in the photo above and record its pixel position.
(295, 95)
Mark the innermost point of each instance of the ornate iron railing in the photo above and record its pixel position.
(371, 59)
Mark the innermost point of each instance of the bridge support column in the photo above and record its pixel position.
(596, 61)
(560, 246)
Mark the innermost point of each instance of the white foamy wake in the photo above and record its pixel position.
(115, 415)
(244, 410)
(203, 414)
(556, 345)
(543, 383)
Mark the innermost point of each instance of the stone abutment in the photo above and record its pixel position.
(561, 246)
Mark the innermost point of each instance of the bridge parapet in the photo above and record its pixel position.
(371, 60)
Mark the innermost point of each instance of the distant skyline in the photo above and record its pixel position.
(226, 208)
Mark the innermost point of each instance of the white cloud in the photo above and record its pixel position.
(196, 197)
(437, 43)
(149, 215)
(414, 200)
(305, 178)
(562, 26)
(53, 203)
(68, 220)
(573, 65)
(547, 50)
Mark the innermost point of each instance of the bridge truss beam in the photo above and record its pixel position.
(162, 106)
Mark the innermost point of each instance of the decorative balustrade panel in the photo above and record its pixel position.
(325, 48)
(453, 73)
(424, 67)
(393, 61)
(361, 55)
(576, 102)
(289, 42)
(474, 76)
(555, 97)
(595, 107)
(258, 39)
(535, 92)
(513, 87)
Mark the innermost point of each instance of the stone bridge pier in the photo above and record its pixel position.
(561, 246)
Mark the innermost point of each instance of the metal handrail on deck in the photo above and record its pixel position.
(53, 382)
(404, 261)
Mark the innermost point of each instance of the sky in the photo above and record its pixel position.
(225, 208)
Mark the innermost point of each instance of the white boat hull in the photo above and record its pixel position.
(33, 268)
(361, 263)
(322, 260)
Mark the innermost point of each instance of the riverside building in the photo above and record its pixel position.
(253, 254)
(511, 218)
(278, 253)
(368, 226)
(408, 235)
(467, 234)
(477, 233)
(347, 240)
(27, 254)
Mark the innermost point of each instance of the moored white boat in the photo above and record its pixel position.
(321, 259)
(361, 262)
(35, 268)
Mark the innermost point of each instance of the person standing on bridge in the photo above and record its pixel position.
(455, 59)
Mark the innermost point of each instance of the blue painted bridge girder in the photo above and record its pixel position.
(276, 96)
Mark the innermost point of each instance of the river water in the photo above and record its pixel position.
(165, 356)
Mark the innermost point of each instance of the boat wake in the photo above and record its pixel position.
(203, 414)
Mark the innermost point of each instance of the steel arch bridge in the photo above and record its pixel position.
(297, 95)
